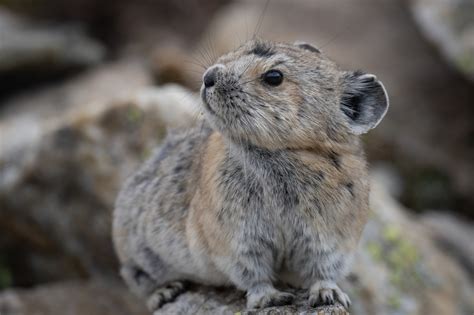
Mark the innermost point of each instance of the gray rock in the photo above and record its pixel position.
(205, 300)
(96, 297)
(29, 51)
(104, 297)
(58, 187)
(453, 235)
(449, 24)
(32, 111)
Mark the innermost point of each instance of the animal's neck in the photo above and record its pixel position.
(253, 155)
(256, 159)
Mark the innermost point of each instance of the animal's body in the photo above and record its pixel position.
(273, 185)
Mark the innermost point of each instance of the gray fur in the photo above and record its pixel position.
(273, 186)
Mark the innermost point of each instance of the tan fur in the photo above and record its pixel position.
(207, 200)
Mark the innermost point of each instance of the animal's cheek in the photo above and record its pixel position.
(293, 90)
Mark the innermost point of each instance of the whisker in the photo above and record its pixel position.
(213, 49)
(202, 52)
(199, 64)
(260, 19)
(249, 81)
(206, 48)
(247, 66)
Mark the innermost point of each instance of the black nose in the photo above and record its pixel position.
(210, 77)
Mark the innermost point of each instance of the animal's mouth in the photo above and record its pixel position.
(207, 106)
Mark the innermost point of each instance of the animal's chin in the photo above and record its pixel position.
(205, 102)
(217, 117)
(208, 108)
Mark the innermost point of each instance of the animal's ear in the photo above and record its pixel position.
(304, 45)
(364, 101)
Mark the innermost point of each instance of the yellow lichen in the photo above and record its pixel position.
(391, 233)
(400, 256)
(375, 251)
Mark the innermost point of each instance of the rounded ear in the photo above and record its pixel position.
(307, 46)
(364, 101)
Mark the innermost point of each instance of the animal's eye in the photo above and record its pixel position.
(273, 77)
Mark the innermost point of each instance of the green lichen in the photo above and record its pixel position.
(145, 153)
(391, 233)
(402, 261)
(161, 133)
(375, 251)
(394, 302)
(404, 255)
(401, 257)
(134, 114)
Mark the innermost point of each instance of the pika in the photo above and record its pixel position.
(273, 187)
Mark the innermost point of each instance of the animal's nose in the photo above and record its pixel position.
(210, 78)
(210, 75)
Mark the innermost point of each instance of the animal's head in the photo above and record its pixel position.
(277, 95)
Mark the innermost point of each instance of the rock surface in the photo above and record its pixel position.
(454, 236)
(31, 52)
(31, 111)
(72, 298)
(449, 24)
(124, 23)
(101, 297)
(57, 189)
(400, 267)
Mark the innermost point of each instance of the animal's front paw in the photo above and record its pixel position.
(164, 295)
(327, 292)
(268, 297)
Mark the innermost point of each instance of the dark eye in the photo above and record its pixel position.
(273, 77)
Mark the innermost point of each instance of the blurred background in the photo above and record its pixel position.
(87, 88)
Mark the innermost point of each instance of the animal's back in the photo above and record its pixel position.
(145, 196)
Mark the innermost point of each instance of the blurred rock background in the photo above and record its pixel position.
(88, 89)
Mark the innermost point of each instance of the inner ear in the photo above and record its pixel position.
(364, 101)
(307, 46)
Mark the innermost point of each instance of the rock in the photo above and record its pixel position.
(57, 189)
(452, 235)
(31, 52)
(450, 26)
(104, 297)
(96, 297)
(124, 24)
(206, 300)
(31, 111)
(400, 270)
(170, 63)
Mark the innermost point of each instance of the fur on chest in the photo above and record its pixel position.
(270, 189)
(288, 181)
